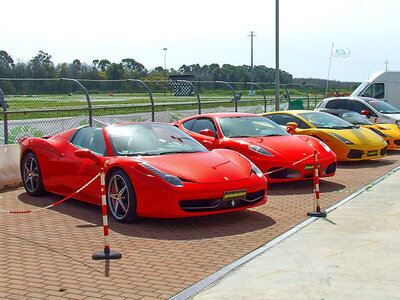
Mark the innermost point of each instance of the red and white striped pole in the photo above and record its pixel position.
(318, 212)
(107, 253)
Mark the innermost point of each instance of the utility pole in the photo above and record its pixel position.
(165, 71)
(386, 63)
(251, 73)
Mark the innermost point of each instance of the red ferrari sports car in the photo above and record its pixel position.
(264, 142)
(153, 170)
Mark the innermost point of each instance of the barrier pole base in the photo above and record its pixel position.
(107, 255)
(321, 214)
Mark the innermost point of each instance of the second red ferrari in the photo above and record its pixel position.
(279, 155)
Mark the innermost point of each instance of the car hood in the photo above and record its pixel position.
(290, 147)
(392, 116)
(358, 136)
(215, 166)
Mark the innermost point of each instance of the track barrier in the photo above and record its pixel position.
(318, 212)
(107, 253)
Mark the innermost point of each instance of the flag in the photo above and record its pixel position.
(341, 52)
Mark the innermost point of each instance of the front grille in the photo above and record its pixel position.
(278, 174)
(353, 154)
(330, 169)
(216, 204)
(285, 173)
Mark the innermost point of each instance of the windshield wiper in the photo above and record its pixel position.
(178, 152)
(239, 136)
(137, 154)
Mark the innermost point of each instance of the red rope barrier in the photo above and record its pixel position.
(54, 204)
(292, 164)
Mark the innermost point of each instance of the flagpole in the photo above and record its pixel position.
(329, 70)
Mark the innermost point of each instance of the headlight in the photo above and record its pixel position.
(398, 123)
(344, 140)
(254, 168)
(171, 179)
(326, 147)
(260, 150)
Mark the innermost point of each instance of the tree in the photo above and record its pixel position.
(115, 71)
(95, 63)
(76, 68)
(132, 65)
(41, 66)
(104, 64)
(6, 64)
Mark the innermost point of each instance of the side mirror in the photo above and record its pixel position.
(86, 153)
(209, 133)
(365, 113)
(291, 127)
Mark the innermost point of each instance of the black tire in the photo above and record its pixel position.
(31, 175)
(121, 197)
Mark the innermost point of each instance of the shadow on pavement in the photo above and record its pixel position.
(192, 228)
(303, 187)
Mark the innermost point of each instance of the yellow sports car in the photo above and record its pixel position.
(389, 132)
(349, 142)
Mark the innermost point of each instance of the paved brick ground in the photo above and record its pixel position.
(47, 255)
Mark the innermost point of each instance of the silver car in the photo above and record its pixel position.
(374, 110)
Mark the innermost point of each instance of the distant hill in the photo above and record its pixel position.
(333, 84)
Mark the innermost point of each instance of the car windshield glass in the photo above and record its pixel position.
(151, 139)
(249, 126)
(383, 107)
(325, 120)
(355, 118)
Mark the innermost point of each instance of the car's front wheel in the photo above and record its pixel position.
(121, 197)
(31, 175)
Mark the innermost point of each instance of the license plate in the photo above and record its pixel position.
(311, 167)
(373, 153)
(232, 195)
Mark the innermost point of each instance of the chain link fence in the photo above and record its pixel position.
(44, 107)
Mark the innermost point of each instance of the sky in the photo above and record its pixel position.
(209, 31)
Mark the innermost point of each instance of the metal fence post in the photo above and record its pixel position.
(5, 119)
(150, 95)
(287, 93)
(197, 92)
(233, 90)
(87, 98)
(262, 90)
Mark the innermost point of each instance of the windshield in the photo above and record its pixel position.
(249, 126)
(151, 139)
(359, 89)
(325, 120)
(355, 118)
(383, 107)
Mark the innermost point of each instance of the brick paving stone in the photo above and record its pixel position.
(52, 250)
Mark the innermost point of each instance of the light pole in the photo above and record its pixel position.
(252, 92)
(165, 71)
(277, 55)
